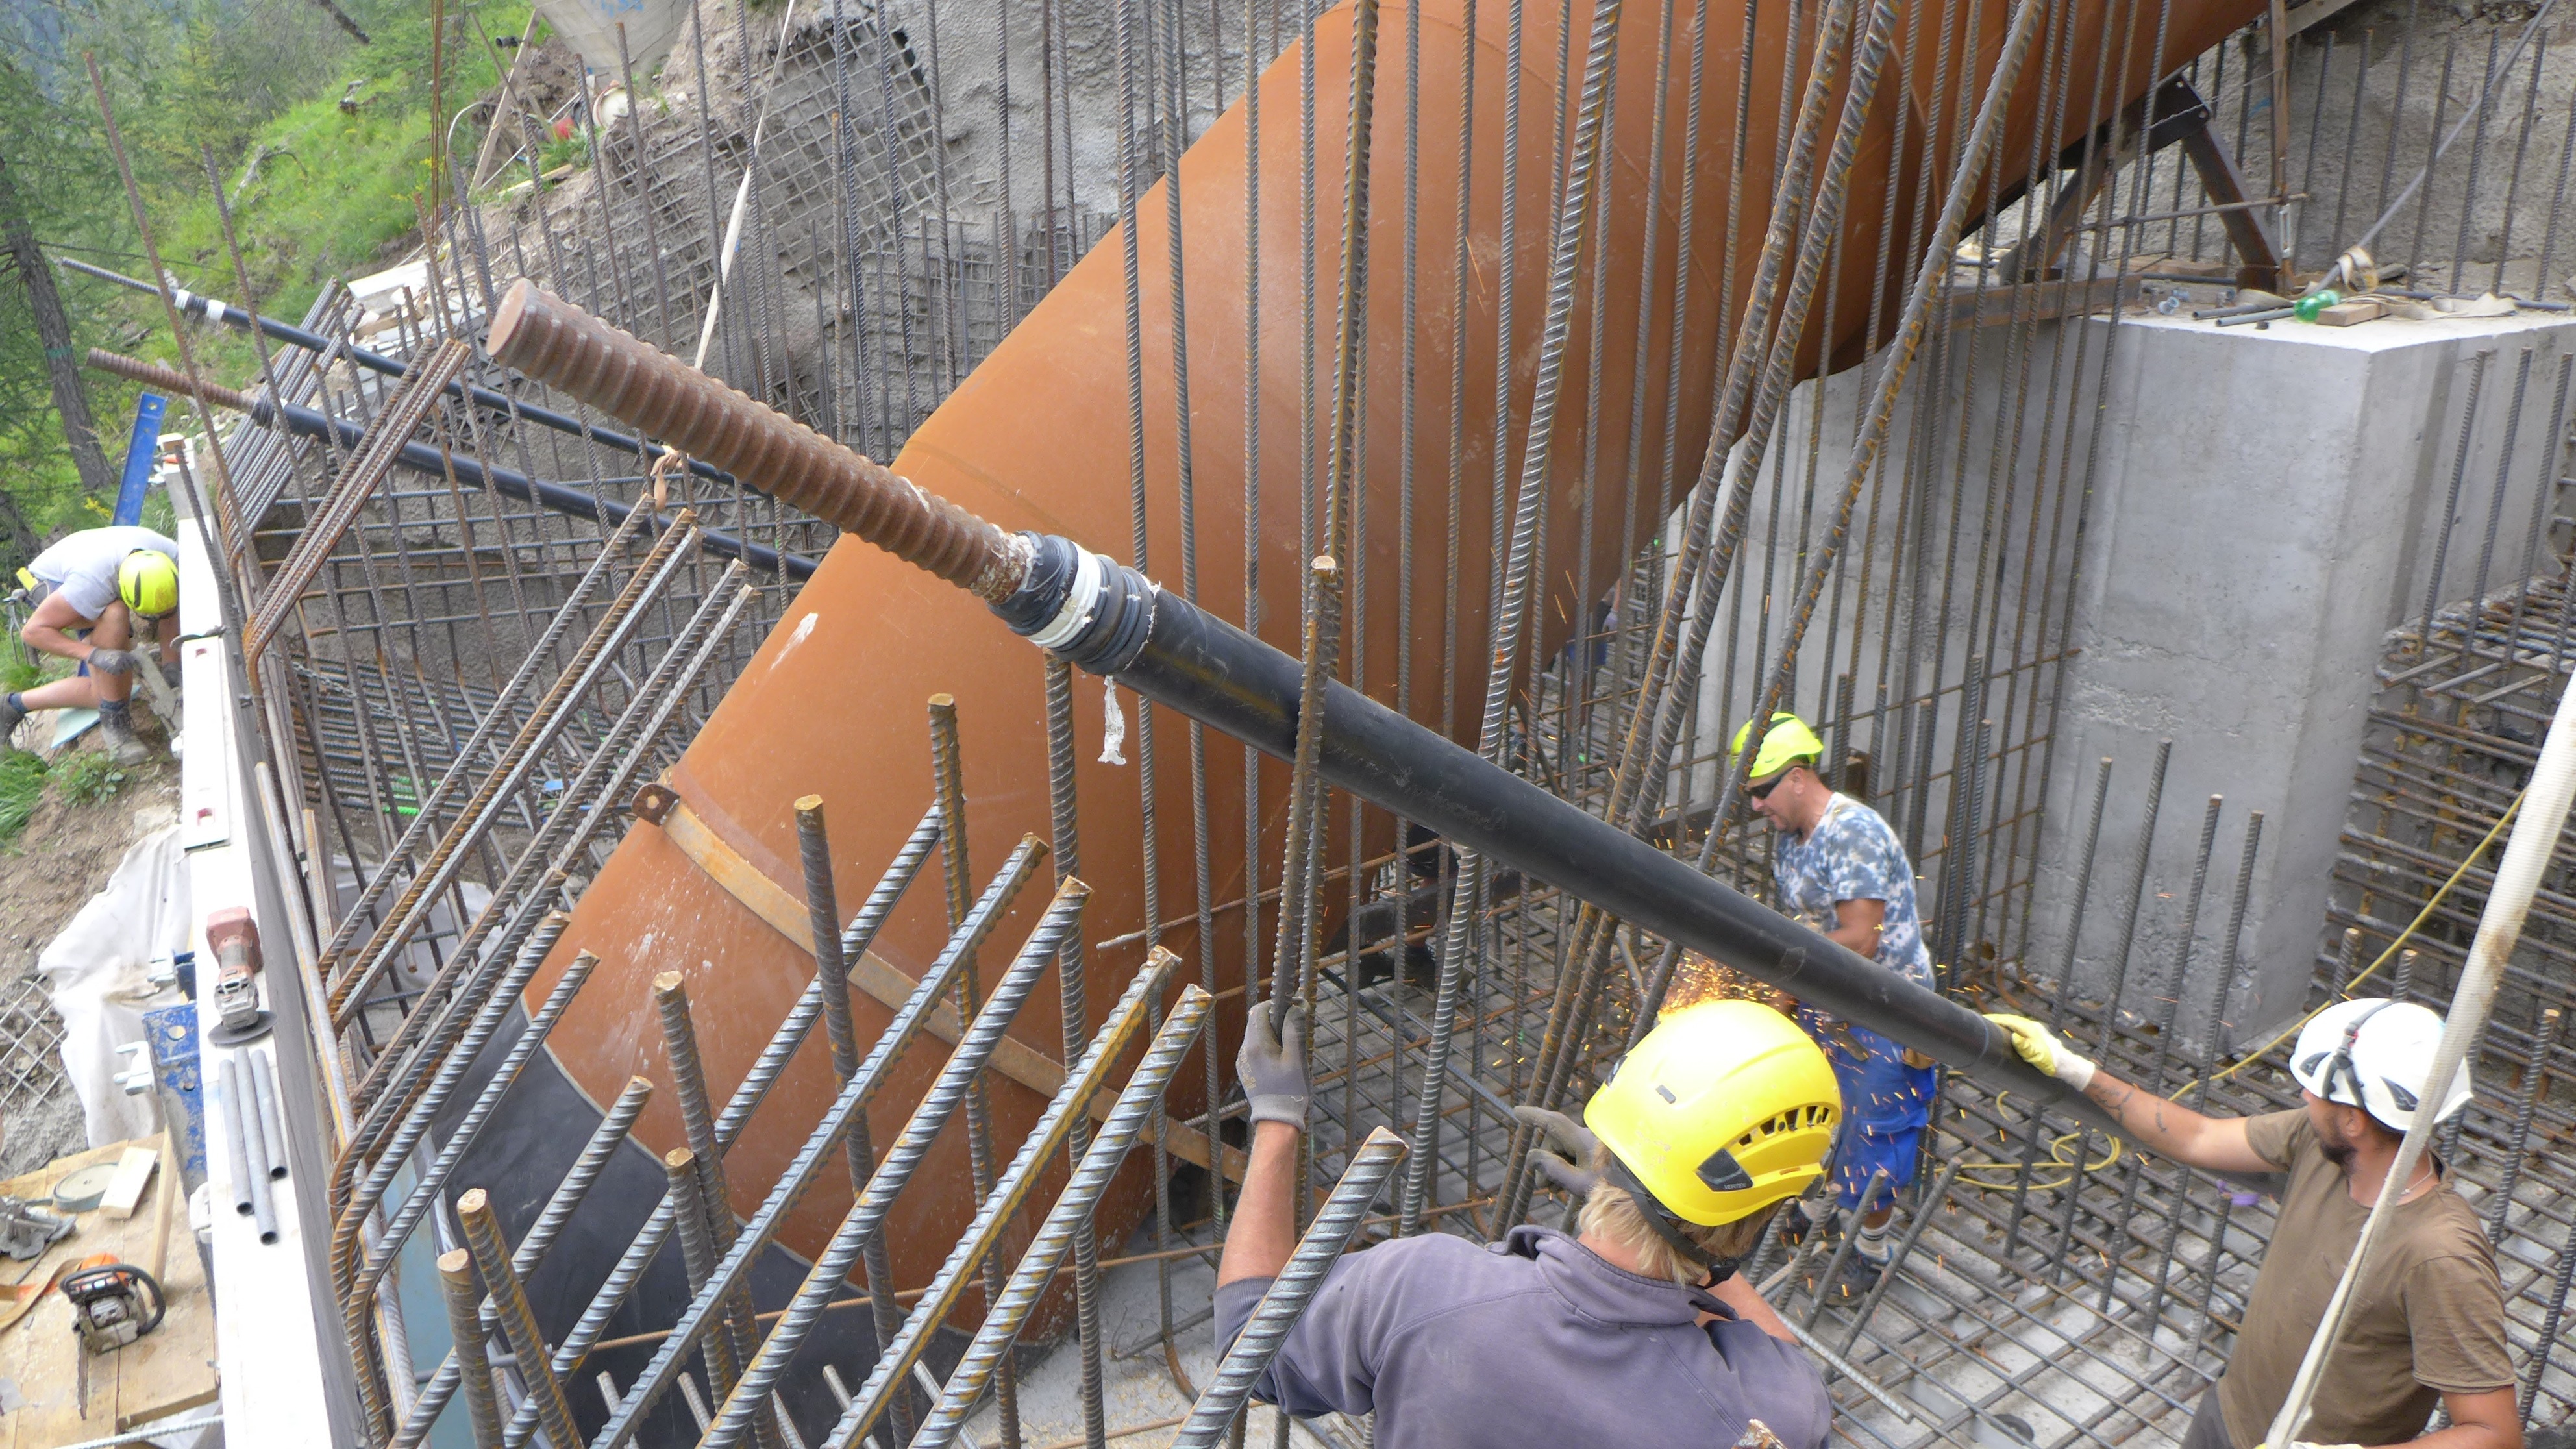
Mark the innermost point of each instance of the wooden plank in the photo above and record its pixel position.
(168, 1371)
(2000, 306)
(2353, 313)
(784, 913)
(124, 1190)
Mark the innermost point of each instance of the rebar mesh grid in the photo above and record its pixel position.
(877, 261)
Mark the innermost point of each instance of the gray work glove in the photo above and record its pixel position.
(171, 673)
(1572, 1172)
(111, 661)
(1272, 1068)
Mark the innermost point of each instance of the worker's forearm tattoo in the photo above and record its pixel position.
(2111, 1092)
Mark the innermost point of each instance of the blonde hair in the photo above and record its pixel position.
(1610, 1213)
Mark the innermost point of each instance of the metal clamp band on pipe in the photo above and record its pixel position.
(1178, 655)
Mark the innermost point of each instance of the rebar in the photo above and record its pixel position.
(1322, 1245)
(518, 1323)
(807, 1166)
(464, 1296)
(1125, 1022)
(1072, 1211)
(567, 1198)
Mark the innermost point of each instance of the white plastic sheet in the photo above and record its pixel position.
(95, 972)
(590, 27)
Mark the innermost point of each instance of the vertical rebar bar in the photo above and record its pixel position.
(518, 1323)
(832, 980)
(697, 1123)
(464, 1296)
(948, 777)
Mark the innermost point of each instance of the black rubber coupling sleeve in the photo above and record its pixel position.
(1109, 620)
(1093, 611)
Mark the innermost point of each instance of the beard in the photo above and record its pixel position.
(2338, 1153)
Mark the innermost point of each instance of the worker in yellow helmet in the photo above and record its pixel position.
(1838, 866)
(90, 591)
(1636, 1329)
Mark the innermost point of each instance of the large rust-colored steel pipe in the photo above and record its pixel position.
(1037, 438)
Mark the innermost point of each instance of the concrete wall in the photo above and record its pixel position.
(2268, 508)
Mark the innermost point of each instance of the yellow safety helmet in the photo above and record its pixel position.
(1724, 1109)
(148, 582)
(1788, 741)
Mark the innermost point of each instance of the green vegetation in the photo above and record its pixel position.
(322, 148)
(86, 779)
(22, 786)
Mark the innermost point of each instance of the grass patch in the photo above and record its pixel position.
(335, 193)
(89, 778)
(22, 786)
(18, 674)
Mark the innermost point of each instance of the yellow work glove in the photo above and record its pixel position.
(2040, 1047)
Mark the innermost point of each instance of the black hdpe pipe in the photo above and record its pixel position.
(1111, 620)
(215, 309)
(422, 458)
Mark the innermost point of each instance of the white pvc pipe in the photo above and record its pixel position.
(2526, 852)
(742, 192)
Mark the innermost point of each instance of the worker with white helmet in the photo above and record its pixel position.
(2427, 1323)
(1636, 1330)
(88, 591)
(1838, 866)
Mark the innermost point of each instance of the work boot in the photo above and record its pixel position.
(1795, 1224)
(1860, 1273)
(116, 730)
(11, 714)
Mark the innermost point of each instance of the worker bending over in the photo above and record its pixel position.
(89, 591)
(1838, 867)
(1638, 1331)
(2426, 1324)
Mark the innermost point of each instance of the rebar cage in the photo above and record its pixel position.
(471, 686)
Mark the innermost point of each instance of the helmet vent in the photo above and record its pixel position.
(1666, 1093)
(2406, 1100)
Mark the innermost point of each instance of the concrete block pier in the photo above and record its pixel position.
(2218, 528)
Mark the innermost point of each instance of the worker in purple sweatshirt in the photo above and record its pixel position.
(1636, 1332)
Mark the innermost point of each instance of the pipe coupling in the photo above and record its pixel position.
(1093, 611)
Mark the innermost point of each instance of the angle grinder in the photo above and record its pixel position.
(27, 1230)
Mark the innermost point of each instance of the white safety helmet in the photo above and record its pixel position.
(2374, 1053)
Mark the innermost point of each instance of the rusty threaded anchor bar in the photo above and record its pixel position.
(544, 336)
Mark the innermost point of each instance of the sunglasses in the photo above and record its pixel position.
(1763, 790)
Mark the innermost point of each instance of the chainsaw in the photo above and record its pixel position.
(113, 1303)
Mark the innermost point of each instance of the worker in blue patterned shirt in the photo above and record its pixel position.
(1839, 867)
